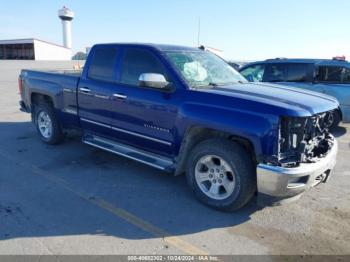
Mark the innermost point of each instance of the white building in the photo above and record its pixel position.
(33, 49)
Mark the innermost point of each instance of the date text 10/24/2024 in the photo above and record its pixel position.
(172, 258)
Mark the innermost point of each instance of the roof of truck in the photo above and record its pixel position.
(161, 47)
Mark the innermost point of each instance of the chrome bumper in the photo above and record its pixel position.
(288, 182)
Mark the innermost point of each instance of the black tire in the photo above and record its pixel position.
(56, 135)
(336, 120)
(241, 164)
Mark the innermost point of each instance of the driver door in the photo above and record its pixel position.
(143, 117)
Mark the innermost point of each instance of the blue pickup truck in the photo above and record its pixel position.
(185, 110)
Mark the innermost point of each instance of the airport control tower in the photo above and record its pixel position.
(66, 16)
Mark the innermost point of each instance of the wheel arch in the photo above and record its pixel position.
(197, 134)
(41, 103)
(36, 98)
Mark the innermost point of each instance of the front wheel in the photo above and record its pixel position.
(221, 174)
(47, 124)
(332, 119)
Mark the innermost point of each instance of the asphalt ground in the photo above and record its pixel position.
(75, 199)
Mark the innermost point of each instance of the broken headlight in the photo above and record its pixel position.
(291, 134)
(303, 140)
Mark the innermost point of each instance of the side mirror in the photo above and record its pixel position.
(153, 80)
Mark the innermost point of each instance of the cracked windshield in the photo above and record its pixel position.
(204, 69)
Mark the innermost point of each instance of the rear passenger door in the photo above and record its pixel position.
(96, 89)
(143, 117)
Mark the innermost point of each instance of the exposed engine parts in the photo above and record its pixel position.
(303, 140)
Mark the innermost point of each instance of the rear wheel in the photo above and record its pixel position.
(221, 174)
(47, 124)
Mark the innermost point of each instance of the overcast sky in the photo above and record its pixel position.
(244, 30)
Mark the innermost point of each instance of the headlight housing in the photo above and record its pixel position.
(303, 139)
(291, 135)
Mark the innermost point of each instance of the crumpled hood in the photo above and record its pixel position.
(302, 102)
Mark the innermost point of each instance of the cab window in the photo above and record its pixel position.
(254, 73)
(103, 64)
(137, 62)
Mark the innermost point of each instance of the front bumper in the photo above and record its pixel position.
(285, 182)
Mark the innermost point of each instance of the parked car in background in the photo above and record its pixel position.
(329, 76)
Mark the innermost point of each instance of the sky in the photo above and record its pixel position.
(242, 29)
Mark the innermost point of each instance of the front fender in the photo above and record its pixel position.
(260, 129)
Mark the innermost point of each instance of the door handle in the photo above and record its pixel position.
(119, 96)
(84, 90)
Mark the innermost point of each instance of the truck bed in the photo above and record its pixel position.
(61, 85)
(70, 72)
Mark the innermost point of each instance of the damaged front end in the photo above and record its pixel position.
(303, 140)
(306, 155)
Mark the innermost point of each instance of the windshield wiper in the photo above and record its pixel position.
(206, 85)
(212, 84)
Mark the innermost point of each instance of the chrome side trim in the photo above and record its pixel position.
(120, 96)
(102, 96)
(95, 123)
(127, 132)
(68, 90)
(83, 89)
(124, 155)
(142, 136)
(70, 111)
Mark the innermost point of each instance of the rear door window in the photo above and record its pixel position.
(103, 63)
(333, 74)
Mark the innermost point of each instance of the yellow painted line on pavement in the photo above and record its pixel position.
(119, 212)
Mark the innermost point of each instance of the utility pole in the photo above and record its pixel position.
(199, 31)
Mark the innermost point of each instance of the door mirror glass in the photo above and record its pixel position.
(153, 80)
